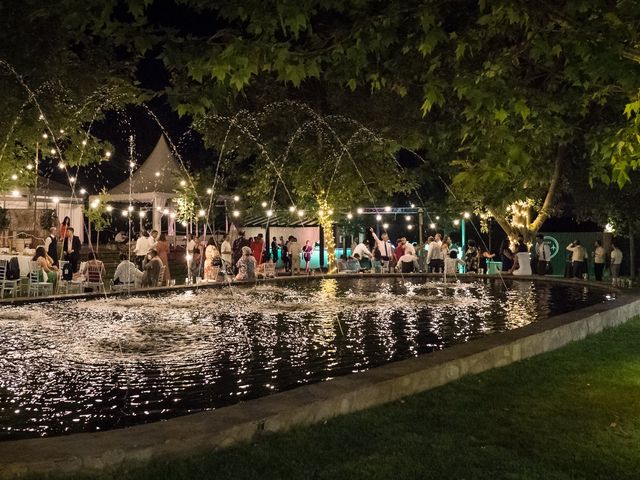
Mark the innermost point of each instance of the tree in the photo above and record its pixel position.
(57, 80)
(99, 215)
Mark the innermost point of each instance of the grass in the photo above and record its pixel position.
(569, 414)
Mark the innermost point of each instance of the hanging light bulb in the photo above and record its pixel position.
(15, 193)
(29, 166)
(109, 208)
(53, 151)
(62, 131)
(142, 213)
(456, 222)
(236, 198)
(82, 191)
(45, 136)
(410, 227)
(14, 177)
(84, 143)
(385, 225)
(301, 213)
(172, 215)
(349, 215)
(292, 209)
(269, 213)
(61, 165)
(330, 212)
(132, 165)
(432, 226)
(107, 154)
(130, 208)
(360, 211)
(378, 217)
(72, 179)
(407, 218)
(264, 204)
(165, 211)
(236, 213)
(209, 191)
(201, 213)
(157, 174)
(125, 213)
(183, 183)
(467, 215)
(55, 200)
(387, 208)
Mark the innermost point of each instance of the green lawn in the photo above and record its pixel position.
(570, 414)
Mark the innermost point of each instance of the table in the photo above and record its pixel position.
(24, 261)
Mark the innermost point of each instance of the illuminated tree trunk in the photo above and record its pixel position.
(325, 218)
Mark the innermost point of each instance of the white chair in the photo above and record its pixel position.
(38, 287)
(269, 270)
(7, 285)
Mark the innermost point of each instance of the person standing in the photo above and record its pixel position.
(162, 247)
(274, 250)
(64, 226)
(286, 259)
(543, 253)
(191, 244)
(152, 270)
(225, 253)
(616, 261)
(51, 245)
(385, 248)
(142, 248)
(599, 258)
(578, 258)
(472, 257)
(153, 240)
(293, 247)
(71, 249)
(238, 245)
(307, 251)
(257, 247)
(435, 256)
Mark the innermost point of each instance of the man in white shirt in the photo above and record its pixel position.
(142, 248)
(543, 252)
(51, 245)
(191, 244)
(153, 240)
(362, 250)
(384, 247)
(578, 258)
(127, 273)
(435, 256)
(616, 261)
(225, 253)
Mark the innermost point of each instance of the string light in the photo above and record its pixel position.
(125, 213)
(82, 191)
(201, 213)
(84, 143)
(321, 212)
(407, 218)
(236, 198)
(53, 151)
(172, 215)
(292, 209)
(14, 177)
(55, 200)
(209, 191)
(62, 131)
(41, 117)
(29, 167)
(72, 179)
(130, 208)
(264, 204)
(132, 165)
(15, 193)
(413, 205)
(349, 215)
(183, 183)
(385, 225)
(359, 211)
(437, 217)
(61, 166)
(94, 204)
(410, 227)
(107, 154)
(432, 226)
(109, 208)
(301, 213)
(269, 213)
(166, 211)
(456, 222)
(387, 208)
(157, 174)
(330, 212)
(142, 213)
(378, 217)
(236, 213)
(45, 136)
(467, 215)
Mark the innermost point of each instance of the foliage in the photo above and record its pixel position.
(57, 81)
(48, 219)
(98, 213)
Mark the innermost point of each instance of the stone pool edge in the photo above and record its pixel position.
(183, 436)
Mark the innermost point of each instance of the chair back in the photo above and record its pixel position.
(36, 275)
(161, 276)
(3, 270)
(269, 269)
(94, 274)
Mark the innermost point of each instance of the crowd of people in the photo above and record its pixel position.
(245, 259)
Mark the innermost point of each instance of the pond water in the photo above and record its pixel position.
(96, 364)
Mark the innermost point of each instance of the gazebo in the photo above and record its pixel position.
(153, 182)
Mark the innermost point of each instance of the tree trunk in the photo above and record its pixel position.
(632, 252)
(329, 239)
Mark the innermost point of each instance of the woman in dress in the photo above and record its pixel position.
(472, 257)
(307, 250)
(257, 247)
(64, 226)
(211, 259)
(162, 248)
(45, 264)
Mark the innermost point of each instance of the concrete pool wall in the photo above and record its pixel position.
(309, 404)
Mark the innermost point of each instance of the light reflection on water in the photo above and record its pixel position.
(87, 365)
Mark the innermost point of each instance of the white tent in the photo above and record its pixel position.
(153, 182)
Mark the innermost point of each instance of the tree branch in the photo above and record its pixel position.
(545, 211)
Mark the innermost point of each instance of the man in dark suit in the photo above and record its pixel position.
(71, 249)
